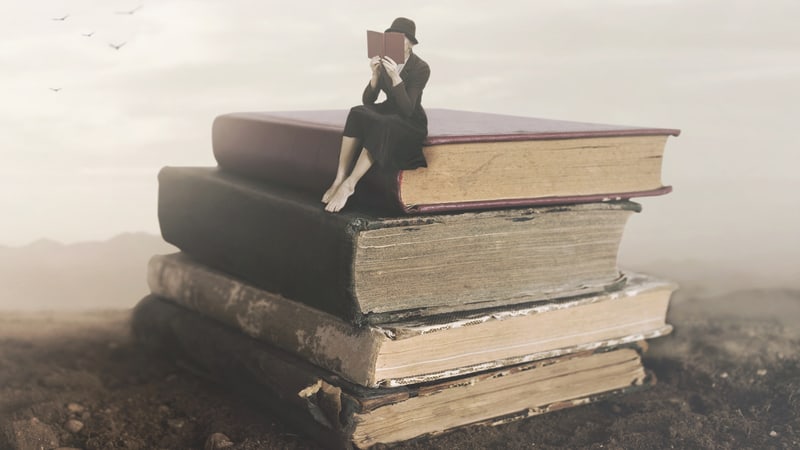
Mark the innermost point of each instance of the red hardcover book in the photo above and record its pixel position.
(475, 160)
(389, 44)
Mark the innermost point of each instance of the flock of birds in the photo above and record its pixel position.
(115, 46)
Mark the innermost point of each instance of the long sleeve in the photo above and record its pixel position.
(370, 94)
(406, 94)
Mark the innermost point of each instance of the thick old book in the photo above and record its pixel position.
(389, 44)
(395, 354)
(340, 414)
(475, 160)
(368, 268)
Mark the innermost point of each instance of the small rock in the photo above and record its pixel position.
(75, 408)
(723, 375)
(761, 372)
(31, 435)
(113, 345)
(176, 423)
(217, 441)
(73, 426)
(773, 433)
(163, 409)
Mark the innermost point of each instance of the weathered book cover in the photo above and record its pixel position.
(342, 415)
(300, 149)
(367, 268)
(403, 353)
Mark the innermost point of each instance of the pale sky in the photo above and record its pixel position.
(81, 163)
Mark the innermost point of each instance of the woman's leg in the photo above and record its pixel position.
(348, 186)
(346, 154)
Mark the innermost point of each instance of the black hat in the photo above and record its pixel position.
(405, 26)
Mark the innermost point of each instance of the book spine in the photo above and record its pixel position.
(313, 335)
(295, 154)
(261, 235)
(260, 373)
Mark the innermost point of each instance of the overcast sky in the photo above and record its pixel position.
(81, 163)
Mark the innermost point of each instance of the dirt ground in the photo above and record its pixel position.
(728, 377)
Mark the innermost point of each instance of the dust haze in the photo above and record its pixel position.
(79, 162)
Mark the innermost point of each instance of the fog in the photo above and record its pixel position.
(80, 163)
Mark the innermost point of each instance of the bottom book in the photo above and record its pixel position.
(341, 414)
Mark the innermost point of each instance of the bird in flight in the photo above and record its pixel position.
(89, 34)
(62, 18)
(116, 46)
(55, 89)
(131, 11)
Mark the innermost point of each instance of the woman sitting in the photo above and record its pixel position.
(389, 134)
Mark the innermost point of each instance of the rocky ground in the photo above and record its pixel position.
(728, 377)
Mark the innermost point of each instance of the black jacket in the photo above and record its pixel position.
(405, 98)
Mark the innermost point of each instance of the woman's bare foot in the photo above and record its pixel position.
(339, 198)
(326, 197)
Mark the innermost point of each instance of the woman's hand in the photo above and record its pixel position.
(375, 64)
(391, 69)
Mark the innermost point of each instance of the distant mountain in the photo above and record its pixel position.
(105, 274)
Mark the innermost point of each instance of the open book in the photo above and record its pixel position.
(389, 44)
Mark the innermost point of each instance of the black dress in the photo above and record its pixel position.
(393, 131)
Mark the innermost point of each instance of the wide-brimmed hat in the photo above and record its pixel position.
(405, 26)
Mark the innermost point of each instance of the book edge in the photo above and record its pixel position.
(430, 208)
(647, 382)
(539, 356)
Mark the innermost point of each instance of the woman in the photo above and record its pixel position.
(389, 134)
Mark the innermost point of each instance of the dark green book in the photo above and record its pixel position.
(340, 414)
(370, 268)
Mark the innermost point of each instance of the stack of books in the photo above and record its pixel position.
(481, 289)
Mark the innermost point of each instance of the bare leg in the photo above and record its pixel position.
(346, 154)
(348, 186)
